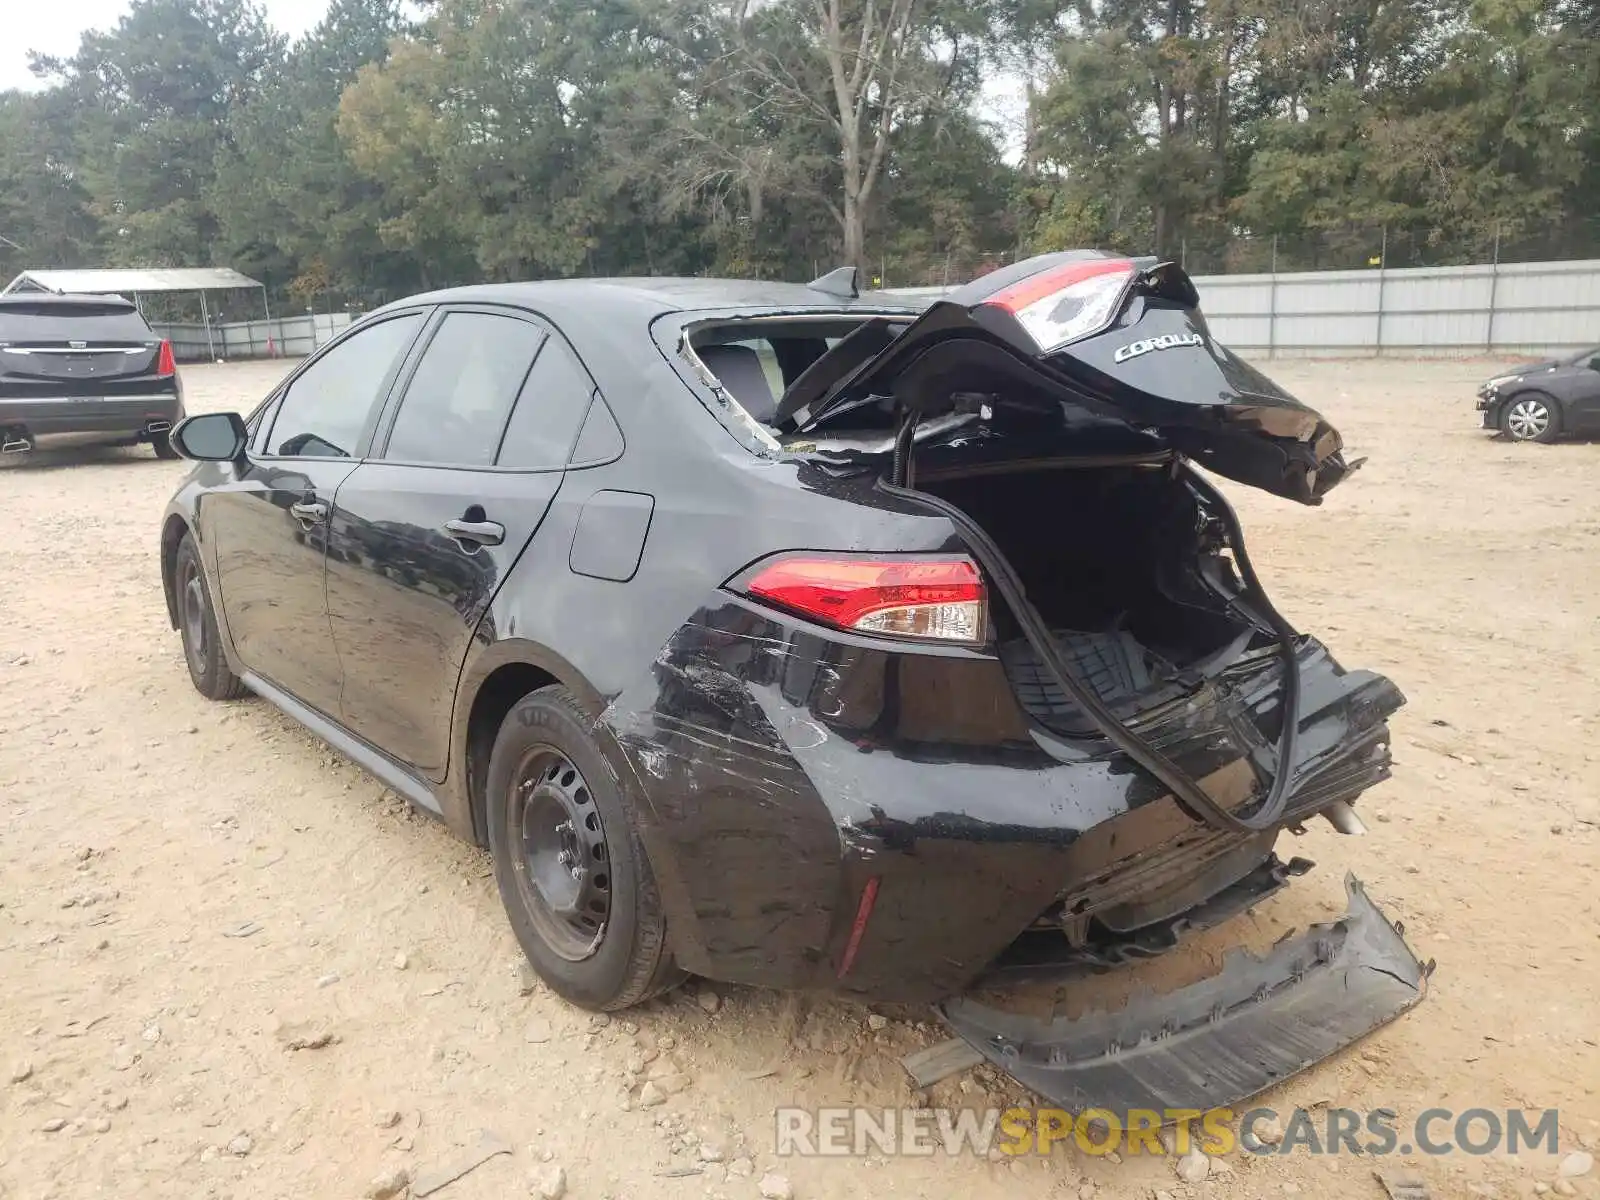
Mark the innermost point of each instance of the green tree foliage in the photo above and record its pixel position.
(149, 104)
(402, 146)
(44, 208)
(291, 202)
(1211, 126)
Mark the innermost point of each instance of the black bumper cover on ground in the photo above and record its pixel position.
(1223, 1039)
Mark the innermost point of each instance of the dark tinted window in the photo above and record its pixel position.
(455, 407)
(325, 409)
(44, 321)
(548, 411)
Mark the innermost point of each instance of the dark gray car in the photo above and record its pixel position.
(1546, 400)
(83, 368)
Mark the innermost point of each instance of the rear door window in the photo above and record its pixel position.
(455, 407)
(324, 412)
(549, 410)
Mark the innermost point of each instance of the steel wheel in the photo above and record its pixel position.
(192, 603)
(1528, 418)
(563, 865)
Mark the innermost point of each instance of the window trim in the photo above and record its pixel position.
(397, 394)
(596, 400)
(272, 407)
(396, 398)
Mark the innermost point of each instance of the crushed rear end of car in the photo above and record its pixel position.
(1054, 728)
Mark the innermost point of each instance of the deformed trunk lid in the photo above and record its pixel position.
(1151, 362)
(1218, 1041)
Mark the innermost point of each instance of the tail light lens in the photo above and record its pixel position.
(165, 363)
(936, 599)
(1067, 302)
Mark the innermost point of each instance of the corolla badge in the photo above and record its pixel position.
(1165, 342)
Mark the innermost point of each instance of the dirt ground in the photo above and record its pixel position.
(189, 889)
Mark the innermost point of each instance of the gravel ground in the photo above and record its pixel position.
(189, 891)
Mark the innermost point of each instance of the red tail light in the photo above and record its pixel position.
(1066, 302)
(165, 363)
(940, 599)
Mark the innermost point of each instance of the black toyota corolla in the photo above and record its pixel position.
(791, 636)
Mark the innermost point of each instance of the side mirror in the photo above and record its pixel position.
(210, 437)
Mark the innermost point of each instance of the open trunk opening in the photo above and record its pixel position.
(1112, 557)
(1193, 569)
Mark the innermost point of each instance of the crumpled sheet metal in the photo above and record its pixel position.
(1222, 1039)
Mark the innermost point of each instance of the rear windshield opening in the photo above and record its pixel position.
(48, 321)
(758, 361)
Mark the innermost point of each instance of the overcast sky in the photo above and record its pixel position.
(54, 26)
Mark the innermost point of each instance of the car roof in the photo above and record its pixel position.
(649, 297)
(61, 300)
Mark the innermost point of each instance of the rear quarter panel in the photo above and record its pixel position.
(717, 508)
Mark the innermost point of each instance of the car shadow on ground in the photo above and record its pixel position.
(76, 456)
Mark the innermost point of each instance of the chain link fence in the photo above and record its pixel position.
(1380, 246)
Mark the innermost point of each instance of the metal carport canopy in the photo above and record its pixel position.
(137, 281)
(99, 282)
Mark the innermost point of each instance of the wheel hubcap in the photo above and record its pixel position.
(194, 617)
(1528, 419)
(564, 864)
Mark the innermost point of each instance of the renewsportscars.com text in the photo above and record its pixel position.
(857, 1132)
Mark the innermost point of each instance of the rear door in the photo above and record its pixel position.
(270, 524)
(467, 462)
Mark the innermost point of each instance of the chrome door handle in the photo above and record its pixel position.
(477, 533)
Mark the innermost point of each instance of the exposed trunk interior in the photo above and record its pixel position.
(1111, 556)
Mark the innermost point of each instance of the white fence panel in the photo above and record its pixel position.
(1539, 309)
(281, 337)
(1515, 308)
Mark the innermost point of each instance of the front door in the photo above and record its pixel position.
(424, 533)
(270, 527)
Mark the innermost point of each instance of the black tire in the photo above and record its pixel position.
(599, 938)
(197, 623)
(1530, 417)
(162, 445)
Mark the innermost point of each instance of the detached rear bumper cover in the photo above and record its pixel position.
(1223, 1039)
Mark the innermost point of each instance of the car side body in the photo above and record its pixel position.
(820, 808)
(1546, 400)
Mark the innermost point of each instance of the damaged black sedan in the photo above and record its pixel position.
(790, 636)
